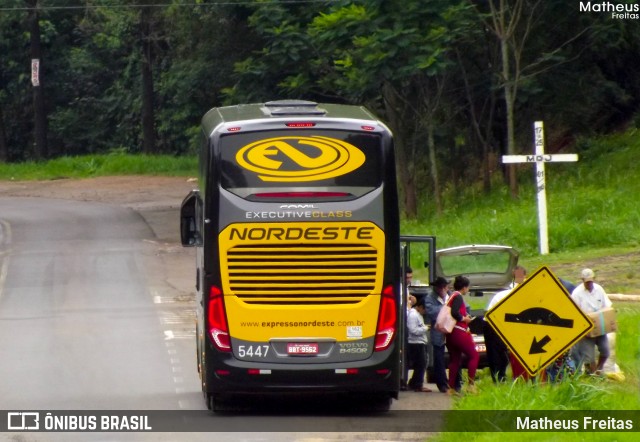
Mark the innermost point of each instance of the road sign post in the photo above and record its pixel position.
(539, 159)
(539, 321)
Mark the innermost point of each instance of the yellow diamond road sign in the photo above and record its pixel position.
(539, 321)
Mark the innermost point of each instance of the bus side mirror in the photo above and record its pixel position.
(189, 233)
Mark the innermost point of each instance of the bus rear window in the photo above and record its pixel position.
(332, 164)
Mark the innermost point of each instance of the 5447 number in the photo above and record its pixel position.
(250, 351)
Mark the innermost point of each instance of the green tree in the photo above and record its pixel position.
(14, 77)
(394, 56)
(147, 25)
(401, 56)
(432, 70)
(527, 50)
(5, 47)
(203, 44)
(283, 61)
(98, 81)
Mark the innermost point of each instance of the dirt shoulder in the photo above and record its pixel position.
(618, 274)
(156, 198)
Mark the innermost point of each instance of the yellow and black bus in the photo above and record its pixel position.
(296, 228)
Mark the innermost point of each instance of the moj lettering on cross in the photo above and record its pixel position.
(540, 158)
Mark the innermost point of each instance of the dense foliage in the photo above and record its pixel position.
(460, 82)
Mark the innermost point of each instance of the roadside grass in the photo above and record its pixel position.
(582, 393)
(591, 214)
(589, 204)
(87, 166)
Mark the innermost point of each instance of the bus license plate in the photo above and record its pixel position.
(302, 348)
(481, 348)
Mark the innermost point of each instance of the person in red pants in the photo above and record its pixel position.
(459, 341)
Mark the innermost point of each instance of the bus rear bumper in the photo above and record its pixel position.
(369, 380)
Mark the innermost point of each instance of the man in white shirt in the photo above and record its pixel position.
(591, 297)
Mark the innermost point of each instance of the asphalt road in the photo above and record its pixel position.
(96, 314)
(78, 326)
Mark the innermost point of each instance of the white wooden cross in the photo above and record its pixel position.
(540, 158)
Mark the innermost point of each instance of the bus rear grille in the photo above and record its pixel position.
(302, 274)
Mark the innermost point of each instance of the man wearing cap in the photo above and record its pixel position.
(591, 297)
(433, 303)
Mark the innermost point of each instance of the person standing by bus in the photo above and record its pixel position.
(433, 304)
(417, 337)
(460, 341)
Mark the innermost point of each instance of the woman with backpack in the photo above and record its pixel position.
(460, 341)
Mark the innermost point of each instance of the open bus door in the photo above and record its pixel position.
(418, 252)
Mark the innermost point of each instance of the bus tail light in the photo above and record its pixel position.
(346, 371)
(386, 319)
(218, 329)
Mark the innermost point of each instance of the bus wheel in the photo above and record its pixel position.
(375, 403)
(209, 400)
(220, 403)
(216, 403)
(380, 403)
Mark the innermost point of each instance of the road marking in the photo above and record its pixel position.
(3, 273)
(176, 318)
(5, 239)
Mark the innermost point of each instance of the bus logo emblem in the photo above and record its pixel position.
(296, 159)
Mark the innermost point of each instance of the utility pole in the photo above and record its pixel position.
(39, 110)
